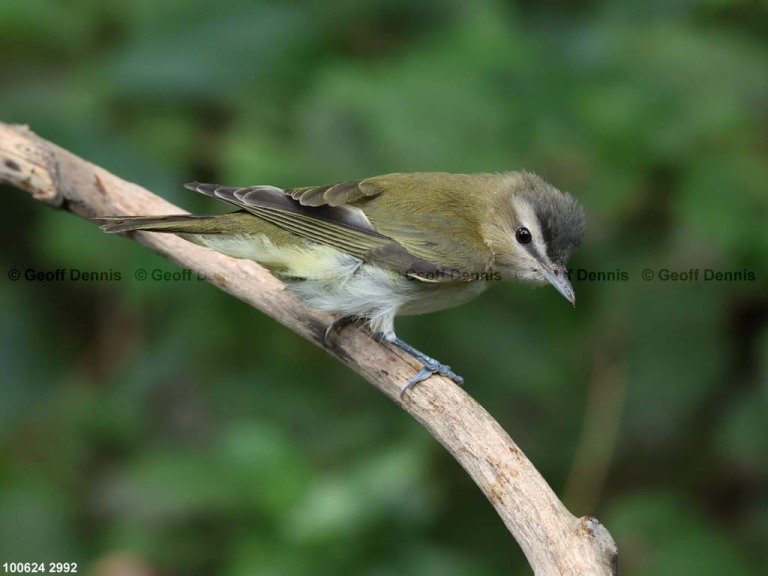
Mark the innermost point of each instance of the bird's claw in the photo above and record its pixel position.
(431, 366)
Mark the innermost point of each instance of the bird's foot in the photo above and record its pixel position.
(431, 366)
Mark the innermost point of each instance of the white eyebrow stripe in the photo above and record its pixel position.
(527, 217)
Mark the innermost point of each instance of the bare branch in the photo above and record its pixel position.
(553, 540)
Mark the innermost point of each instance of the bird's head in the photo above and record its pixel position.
(533, 229)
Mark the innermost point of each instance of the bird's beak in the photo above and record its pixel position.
(559, 279)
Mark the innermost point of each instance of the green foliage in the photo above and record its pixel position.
(166, 424)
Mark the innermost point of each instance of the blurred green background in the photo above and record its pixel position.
(165, 428)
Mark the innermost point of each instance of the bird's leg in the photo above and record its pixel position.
(431, 366)
(337, 325)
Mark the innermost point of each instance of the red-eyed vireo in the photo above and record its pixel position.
(391, 245)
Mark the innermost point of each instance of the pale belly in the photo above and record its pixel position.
(380, 295)
(434, 297)
(335, 281)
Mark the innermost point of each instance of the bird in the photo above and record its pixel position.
(392, 245)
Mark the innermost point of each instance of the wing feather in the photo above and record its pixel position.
(322, 214)
(335, 194)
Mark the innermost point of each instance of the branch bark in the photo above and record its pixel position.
(552, 539)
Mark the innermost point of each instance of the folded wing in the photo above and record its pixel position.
(328, 215)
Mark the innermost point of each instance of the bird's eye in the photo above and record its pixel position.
(523, 235)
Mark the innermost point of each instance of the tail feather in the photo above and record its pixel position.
(174, 224)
